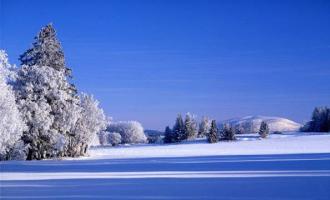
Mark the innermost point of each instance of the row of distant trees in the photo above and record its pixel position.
(188, 129)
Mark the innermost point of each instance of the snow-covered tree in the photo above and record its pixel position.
(178, 129)
(190, 126)
(48, 109)
(264, 129)
(46, 51)
(59, 124)
(114, 138)
(91, 121)
(130, 131)
(212, 136)
(228, 133)
(204, 127)
(103, 138)
(11, 124)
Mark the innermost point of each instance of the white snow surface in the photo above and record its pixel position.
(247, 144)
(288, 166)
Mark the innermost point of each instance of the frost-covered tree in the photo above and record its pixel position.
(91, 121)
(48, 109)
(204, 127)
(228, 133)
(103, 138)
(179, 130)
(114, 138)
(190, 126)
(212, 136)
(264, 129)
(46, 51)
(130, 131)
(49, 103)
(11, 124)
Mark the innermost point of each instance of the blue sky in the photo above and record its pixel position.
(149, 60)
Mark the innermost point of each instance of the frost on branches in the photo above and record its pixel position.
(49, 111)
(91, 121)
(11, 125)
(46, 51)
(56, 118)
(130, 131)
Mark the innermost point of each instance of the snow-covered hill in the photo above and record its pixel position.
(252, 123)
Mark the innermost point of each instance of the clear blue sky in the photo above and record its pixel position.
(149, 60)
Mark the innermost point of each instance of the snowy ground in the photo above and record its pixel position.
(290, 166)
(248, 144)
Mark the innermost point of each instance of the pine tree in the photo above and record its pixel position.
(46, 51)
(178, 129)
(212, 136)
(204, 127)
(264, 129)
(228, 133)
(169, 136)
(49, 102)
(320, 121)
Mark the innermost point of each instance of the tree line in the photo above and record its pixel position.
(188, 129)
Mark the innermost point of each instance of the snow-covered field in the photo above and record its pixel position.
(289, 166)
(248, 144)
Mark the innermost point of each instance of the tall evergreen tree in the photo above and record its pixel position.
(46, 51)
(320, 121)
(169, 136)
(264, 129)
(212, 136)
(48, 101)
(178, 129)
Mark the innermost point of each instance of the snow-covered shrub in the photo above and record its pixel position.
(114, 138)
(11, 124)
(264, 130)
(130, 131)
(155, 139)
